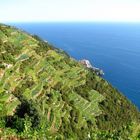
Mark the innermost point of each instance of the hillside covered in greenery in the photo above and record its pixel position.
(46, 94)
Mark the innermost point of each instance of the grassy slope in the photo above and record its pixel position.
(45, 93)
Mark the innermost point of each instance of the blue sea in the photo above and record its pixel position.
(113, 47)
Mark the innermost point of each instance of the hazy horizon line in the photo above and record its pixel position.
(5, 22)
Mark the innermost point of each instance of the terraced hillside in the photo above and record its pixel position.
(46, 94)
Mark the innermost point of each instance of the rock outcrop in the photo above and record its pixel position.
(87, 64)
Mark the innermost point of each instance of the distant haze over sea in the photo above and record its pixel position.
(113, 47)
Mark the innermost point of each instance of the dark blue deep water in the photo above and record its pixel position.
(113, 47)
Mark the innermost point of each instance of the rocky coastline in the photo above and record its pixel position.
(87, 64)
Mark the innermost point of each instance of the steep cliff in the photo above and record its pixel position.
(44, 93)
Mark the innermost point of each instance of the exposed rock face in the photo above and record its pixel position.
(87, 64)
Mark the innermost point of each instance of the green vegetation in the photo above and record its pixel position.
(46, 94)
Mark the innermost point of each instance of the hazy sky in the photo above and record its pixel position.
(69, 10)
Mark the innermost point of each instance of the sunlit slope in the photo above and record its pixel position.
(56, 95)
